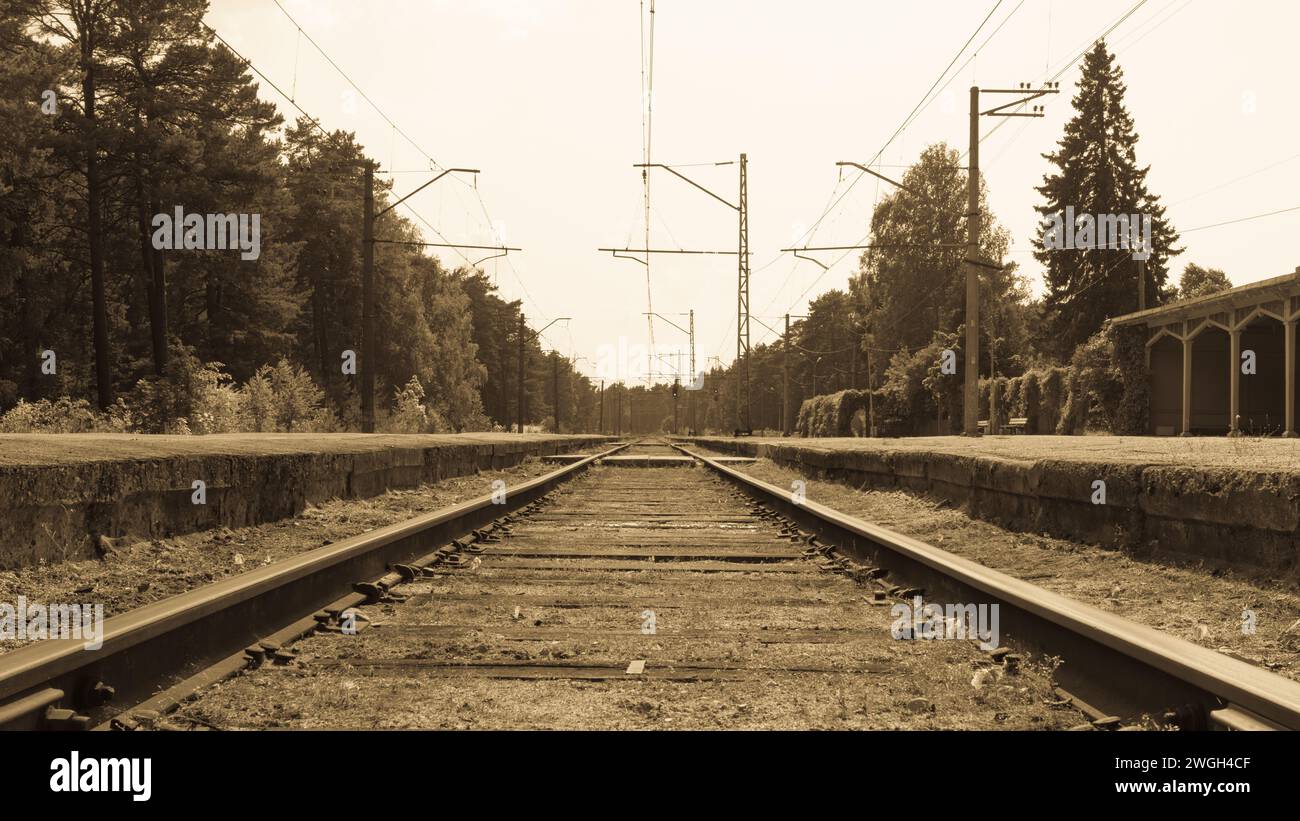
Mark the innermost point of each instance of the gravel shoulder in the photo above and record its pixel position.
(1200, 601)
(136, 573)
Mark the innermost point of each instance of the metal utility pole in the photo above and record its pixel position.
(785, 379)
(601, 429)
(524, 339)
(677, 386)
(742, 297)
(743, 424)
(974, 224)
(555, 389)
(971, 389)
(519, 386)
(690, 402)
(1142, 284)
(368, 358)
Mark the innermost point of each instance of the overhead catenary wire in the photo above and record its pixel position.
(926, 99)
(1069, 64)
(356, 87)
(313, 121)
(647, 132)
(434, 164)
(920, 106)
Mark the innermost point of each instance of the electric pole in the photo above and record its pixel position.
(971, 389)
(742, 308)
(974, 224)
(690, 402)
(677, 385)
(1142, 284)
(524, 339)
(368, 358)
(555, 388)
(519, 388)
(742, 296)
(785, 379)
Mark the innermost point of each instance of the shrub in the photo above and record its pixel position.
(1133, 416)
(1095, 386)
(64, 415)
(192, 397)
(1031, 397)
(409, 414)
(284, 398)
(833, 414)
(1052, 395)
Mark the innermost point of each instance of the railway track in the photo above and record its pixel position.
(647, 580)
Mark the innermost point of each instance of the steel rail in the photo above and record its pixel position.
(62, 684)
(1125, 668)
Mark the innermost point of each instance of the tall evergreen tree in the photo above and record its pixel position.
(1096, 172)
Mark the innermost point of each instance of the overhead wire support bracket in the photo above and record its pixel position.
(504, 252)
(893, 182)
(1029, 94)
(426, 185)
(813, 260)
(677, 173)
(617, 251)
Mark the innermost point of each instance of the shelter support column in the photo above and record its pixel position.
(1234, 383)
(1289, 381)
(1186, 429)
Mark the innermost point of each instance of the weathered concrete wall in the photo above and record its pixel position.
(1221, 513)
(59, 494)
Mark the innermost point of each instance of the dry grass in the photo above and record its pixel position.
(1199, 601)
(137, 573)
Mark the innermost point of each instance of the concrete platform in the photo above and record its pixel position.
(1235, 500)
(60, 492)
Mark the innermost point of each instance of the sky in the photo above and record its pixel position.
(546, 97)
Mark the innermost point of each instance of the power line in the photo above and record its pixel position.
(647, 134)
(363, 94)
(921, 105)
(1242, 219)
(315, 122)
(1234, 180)
(436, 165)
(1139, 4)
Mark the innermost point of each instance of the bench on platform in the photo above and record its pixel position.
(1014, 425)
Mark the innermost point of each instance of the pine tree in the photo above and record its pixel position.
(1096, 172)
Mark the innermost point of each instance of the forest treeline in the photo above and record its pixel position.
(116, 111)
